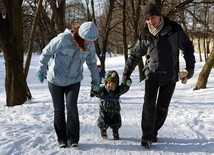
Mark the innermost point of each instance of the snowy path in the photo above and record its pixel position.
(28, 129)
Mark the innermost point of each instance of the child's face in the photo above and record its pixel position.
(111, 86)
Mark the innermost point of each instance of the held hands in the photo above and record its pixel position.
(95, 88)
(127, 81)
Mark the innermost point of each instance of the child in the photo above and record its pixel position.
(109, 110)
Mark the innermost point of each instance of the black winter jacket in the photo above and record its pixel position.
(110, 100)
(162, 53)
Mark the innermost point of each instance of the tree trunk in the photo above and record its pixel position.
(199, 49)
(136, 20)
(31, 40)
(205, 72)
(30, 45)
(11, 42)
(101, 52)
(58, 8)
(125, 48)
(15, 83)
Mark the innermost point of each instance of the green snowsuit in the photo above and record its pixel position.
(109, 107)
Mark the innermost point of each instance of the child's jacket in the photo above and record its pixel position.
(110, 100)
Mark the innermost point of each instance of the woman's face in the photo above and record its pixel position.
(153, 21)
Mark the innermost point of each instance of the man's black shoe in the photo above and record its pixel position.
(155, 140)
(146, 144)
(62, 144)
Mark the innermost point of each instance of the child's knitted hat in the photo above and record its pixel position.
(112, 76)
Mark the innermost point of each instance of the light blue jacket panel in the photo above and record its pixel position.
(67, 64)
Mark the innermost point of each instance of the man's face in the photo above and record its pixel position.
(153, 21)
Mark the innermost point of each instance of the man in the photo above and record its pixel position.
(160, 42)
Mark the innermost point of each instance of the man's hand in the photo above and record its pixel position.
(190, 69)
(183, 74)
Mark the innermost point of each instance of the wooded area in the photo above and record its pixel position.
(26, 26)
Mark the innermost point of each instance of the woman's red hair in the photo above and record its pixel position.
(77, 39)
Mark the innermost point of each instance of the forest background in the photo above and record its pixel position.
(26, 26)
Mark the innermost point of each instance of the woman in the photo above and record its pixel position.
(69, 51)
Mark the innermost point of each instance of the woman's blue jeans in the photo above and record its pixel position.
(66, 130)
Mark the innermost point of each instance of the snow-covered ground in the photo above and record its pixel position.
(28, 129)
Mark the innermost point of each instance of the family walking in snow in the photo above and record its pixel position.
(159, 42)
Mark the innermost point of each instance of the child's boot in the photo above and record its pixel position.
(103, 133)
(116, 134)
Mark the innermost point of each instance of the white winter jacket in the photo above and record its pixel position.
(66, 66)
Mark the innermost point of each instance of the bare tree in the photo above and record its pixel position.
(89, 16)
(178, 7)
(75, 12)
(125, 44)
(32, 37)
(135, 22)
(11, 42)
(58, 8)
(45, 29)
(105, 27)
(205, 72)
